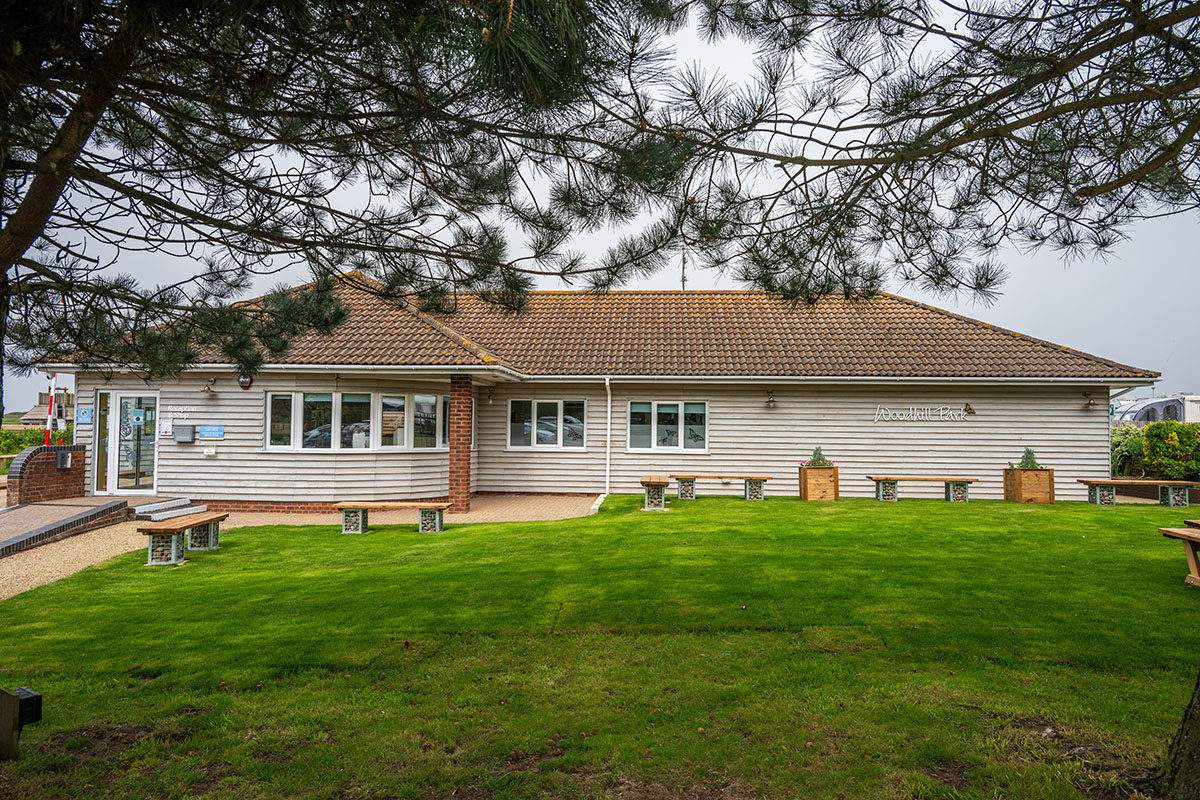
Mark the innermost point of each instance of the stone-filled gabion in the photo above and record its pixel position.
(1173, 495)
(164, 548)
(204, 537)
(886, 490)
(354, 520)
(687, 488)
(429, 520)
(754, 489)
(656, 498)
(1102, 494)
(957, 492)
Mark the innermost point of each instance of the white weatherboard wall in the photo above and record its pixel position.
(745, 436)
(243, 469)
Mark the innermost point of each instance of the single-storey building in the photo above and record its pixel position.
(586, 392)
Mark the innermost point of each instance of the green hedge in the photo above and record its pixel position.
(1171, 450)
(1128, 443)
(14, 440)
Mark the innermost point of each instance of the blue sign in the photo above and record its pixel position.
(137, 416)
(210, 431)
(83, 416)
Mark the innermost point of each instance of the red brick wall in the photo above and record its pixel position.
(461, 400)
(36, 478)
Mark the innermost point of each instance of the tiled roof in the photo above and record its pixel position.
(384, 331)
(700, 333)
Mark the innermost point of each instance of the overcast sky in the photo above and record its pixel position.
(1139, 306)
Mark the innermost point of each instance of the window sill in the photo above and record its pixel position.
(546, 449)
(361, 450)
(657, 451)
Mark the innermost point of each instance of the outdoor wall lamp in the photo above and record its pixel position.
(491, 394)
(770, 398)
(1090, 402)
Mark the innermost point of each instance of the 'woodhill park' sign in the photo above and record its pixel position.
(923, 414)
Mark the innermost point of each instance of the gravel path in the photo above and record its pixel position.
(50, 562)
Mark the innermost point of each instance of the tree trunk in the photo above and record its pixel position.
(1181, 774)
(53, 167)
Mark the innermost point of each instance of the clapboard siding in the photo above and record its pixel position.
(243, 470)
(746, 436)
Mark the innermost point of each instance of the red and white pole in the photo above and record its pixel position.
(50, 407)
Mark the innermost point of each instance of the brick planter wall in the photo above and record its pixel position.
(36, 478)
(281, 506)
(461, 400)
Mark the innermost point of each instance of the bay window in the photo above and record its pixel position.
(345, 421)
(547, 424)
(668, 425)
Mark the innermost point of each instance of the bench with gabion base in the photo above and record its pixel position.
(1103, 491)
(654, 489)
(166, 539)
(957, 487)
(354, 514)
(753, 486)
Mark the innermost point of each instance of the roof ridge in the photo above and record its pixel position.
(1062, 348)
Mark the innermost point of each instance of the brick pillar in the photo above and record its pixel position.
(461, 401)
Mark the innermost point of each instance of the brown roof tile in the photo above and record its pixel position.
(701, 333)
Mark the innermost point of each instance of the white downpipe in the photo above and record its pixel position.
(608, 437)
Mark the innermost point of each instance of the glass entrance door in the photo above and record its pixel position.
(136, 433)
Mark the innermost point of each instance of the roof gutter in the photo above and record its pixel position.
(507, 372)
(421, 369)
(1130, 382)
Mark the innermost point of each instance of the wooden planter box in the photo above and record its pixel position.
(818, 483)
(1029, 485)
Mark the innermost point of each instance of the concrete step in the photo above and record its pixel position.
(171, 513)
(161, 505)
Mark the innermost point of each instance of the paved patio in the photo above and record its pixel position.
(50, 562)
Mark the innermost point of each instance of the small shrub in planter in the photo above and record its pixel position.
(1027, 481)
(818, 478)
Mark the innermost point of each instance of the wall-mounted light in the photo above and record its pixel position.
(1090, 402)
(208, 387)
(770, 398)
(491, 394)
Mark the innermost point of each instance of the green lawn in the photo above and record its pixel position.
(723, 649)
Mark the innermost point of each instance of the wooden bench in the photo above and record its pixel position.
(1190, 537)
(1103, 491)
(754, 486)
(165, 539)
(354, 513)
(957, 486)
(654, 492)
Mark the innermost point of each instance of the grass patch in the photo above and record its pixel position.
(723, 650)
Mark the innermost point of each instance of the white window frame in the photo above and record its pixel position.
(437, 422)
(295, 424)
(377, 422)
(375, 444)
(654, 446)
(533, 445)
